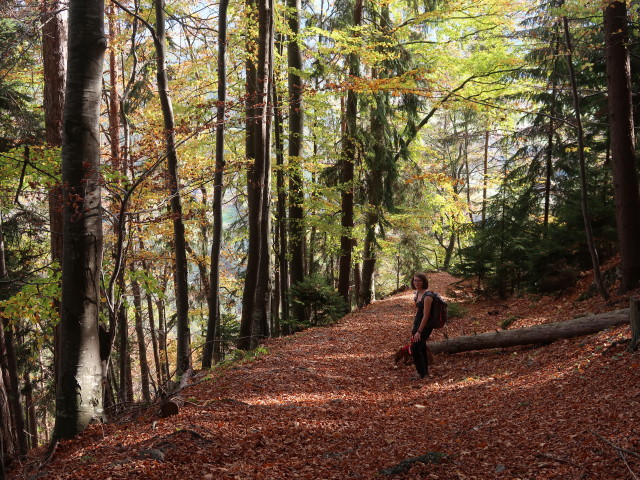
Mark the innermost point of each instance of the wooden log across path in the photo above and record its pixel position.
(538, 334)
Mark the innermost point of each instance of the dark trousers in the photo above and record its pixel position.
(419, 352)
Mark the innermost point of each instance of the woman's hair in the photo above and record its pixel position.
(421, 276)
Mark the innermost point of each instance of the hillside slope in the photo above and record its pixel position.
(329, 404)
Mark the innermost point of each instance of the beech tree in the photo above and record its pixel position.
(256, 306)
(79, 385)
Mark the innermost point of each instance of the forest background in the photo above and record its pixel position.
(223, 173)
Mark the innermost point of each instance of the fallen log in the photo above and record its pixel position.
(538, 334)
(171, 406)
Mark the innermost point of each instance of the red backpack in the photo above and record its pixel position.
(438, 314)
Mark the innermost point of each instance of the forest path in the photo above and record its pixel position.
(328, 403)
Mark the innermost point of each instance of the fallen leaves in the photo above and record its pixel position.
(329, 404)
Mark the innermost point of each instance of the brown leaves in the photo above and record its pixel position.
(328, 404)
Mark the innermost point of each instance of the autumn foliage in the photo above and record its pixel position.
(328, 403)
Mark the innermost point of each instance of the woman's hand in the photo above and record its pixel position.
(416, 337)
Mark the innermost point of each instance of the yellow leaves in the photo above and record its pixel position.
(575, 149)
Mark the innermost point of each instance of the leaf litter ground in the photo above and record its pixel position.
(328, 403)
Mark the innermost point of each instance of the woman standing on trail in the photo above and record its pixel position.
(420, 332)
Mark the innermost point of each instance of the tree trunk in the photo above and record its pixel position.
(79, 386)
(213, 323)
(183, 360)
(253, 184)
(634, 320)
(154, 336)
(282, 280)
(297, 236)
(54, 49)
(262, 311)
(162, 341)
(9, 362)
(347, 170)
(54, 56)
(538, 334)
(369, 255)
(623, 153)
(256, 308)
(30, 410)
(485, 177)
(125, 394)
(142, 349)
(583, 175)
(7, 438)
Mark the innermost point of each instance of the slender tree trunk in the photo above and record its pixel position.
(30, 411)
(369, 257)
(54, 55)
(7, 438)
(583, 174)
(183, 361)
(297, 234)
(125, 394)
(9, 360)
(485, 177)
(79, 386)
(54, 49)
(162, 341)
(623, 153)
(213, 326)
(154, 336)
(347, 171)
(142, 348)
(282, 285)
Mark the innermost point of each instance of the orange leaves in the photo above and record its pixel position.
(328, 404)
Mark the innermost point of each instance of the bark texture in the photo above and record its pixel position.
(623, 153)
(212, 346)
(539, 334)
(79, 385)
(348, 168)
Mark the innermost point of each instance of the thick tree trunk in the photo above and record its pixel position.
(262, 311)
(256, 308)
(623, 153)
(297, 236)
(347, 171)
(539, 334)
(253, 184)
(79, 386)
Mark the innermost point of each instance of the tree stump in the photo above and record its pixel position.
(171, 406)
